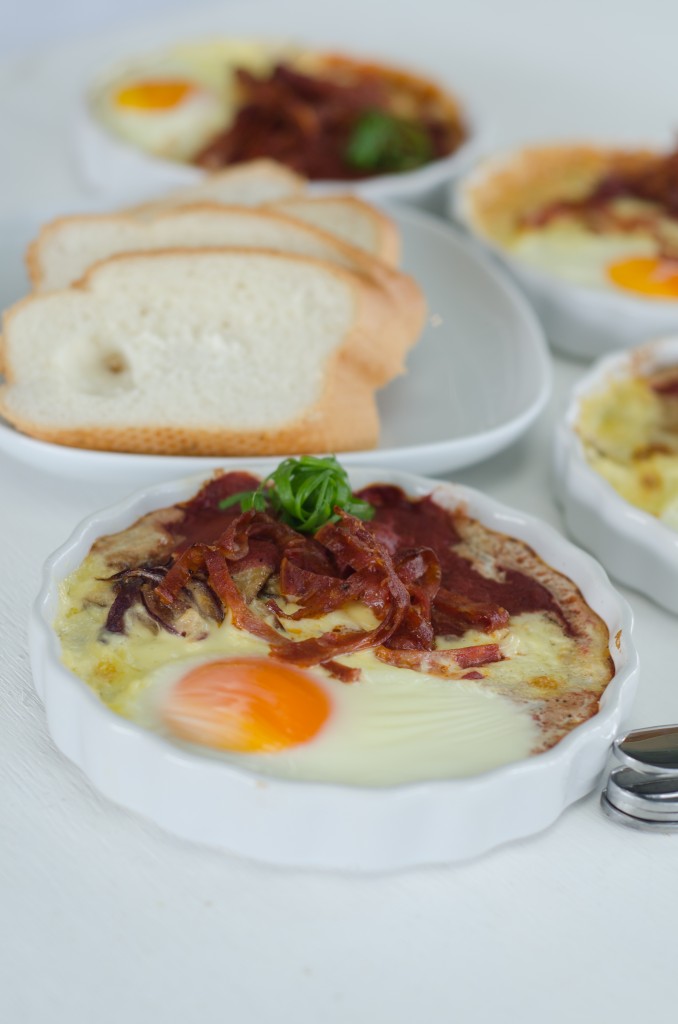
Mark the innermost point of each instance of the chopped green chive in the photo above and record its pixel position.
(382, 142)
(303, 493)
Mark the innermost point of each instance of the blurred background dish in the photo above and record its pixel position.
(167, 117)
(636, 547)
(589, 233)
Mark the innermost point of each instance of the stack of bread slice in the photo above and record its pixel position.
(241, 317)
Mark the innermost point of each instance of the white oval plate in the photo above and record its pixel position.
(579, 321)
(476, 381)
(317, 824)
(635, 547)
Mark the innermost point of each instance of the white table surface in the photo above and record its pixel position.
(104, 918)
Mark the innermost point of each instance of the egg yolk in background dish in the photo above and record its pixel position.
(154, 94)
(647, 275)
(246, 705)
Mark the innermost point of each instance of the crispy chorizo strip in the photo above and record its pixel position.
(419, 569)
(223, 585)
(441, 663)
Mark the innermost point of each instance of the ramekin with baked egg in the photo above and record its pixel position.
(590, 233)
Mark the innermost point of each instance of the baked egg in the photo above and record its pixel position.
(171, 104)
(614, 260)
(597, 218)
(324, 115)
(224, 694)
(340, 656)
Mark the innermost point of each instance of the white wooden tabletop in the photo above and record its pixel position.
(104, 918)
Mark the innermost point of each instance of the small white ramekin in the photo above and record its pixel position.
(316, 824)
(635, 547)
(579, 321)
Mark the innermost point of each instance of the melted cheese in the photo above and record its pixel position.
(395, 725)
(628, 441)
(206, 106)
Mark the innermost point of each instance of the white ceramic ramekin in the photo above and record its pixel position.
(635, 547)
(580, 321)
(316, 824)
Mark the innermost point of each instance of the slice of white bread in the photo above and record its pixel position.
(248, 184)
(65, 249)
(231, 352)
(350, 219)
(68, 246)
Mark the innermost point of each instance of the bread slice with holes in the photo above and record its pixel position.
(66, 248)
(349, 218)
(230, 352)
(249, 184)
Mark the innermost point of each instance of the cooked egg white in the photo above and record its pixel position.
(576, 255)
(627, 440)
(392, 726)
(171, 104)
(610, 258)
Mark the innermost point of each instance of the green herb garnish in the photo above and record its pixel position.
(303, 493)
(382, 142)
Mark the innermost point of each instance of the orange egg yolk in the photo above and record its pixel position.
(156, 94)
(247, 705)
(647, 275)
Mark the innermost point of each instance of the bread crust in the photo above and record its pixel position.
(387, 232)
(265, 167)
(361, 260)
(506, 188)
(343, 418)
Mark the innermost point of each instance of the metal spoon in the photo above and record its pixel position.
(643, 792)
(650, 750)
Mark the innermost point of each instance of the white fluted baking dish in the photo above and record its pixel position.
(317, 824)
(635, 547)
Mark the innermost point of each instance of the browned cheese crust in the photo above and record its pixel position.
(555, 709)
(509, 188)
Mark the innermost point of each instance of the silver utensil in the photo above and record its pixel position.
(643, 792)
(650, 750)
